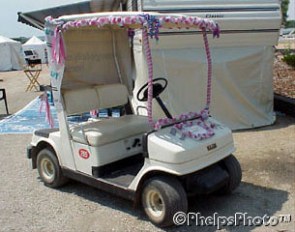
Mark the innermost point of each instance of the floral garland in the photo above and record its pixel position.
(140, 19)
(204, 114)
(188, 120)
(148, 54)
(208, 126)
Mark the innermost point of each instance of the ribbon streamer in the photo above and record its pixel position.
(58, 48)
(45, 102)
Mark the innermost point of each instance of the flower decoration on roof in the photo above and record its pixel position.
(152, 24)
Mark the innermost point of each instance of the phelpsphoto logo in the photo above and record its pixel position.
(238, 219)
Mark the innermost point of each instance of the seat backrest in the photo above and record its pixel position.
(97, 97)
(112, 95)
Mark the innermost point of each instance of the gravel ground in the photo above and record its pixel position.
(266, 156)
(267, 159)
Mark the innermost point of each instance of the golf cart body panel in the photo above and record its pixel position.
(176, 150)
(42, 138)
(89, 157)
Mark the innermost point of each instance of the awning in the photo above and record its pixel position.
(36, 18)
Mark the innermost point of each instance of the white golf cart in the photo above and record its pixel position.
(155, 163)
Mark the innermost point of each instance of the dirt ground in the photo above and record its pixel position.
(267, 157)
(284, 77)
(15, 84)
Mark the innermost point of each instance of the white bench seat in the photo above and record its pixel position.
(110, 130)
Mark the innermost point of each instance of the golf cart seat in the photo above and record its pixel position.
(108, 130)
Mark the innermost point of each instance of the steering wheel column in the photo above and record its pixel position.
(163, 107)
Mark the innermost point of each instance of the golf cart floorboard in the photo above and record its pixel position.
(113, 178)
(121, 172)
(124, 176)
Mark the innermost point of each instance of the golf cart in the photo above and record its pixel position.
(157, 163)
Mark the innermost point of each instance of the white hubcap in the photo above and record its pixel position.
(154, 203)
(48, 170)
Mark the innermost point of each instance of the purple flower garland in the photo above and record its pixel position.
(189, 119)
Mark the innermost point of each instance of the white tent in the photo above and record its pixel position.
(38, 45)
(10, 54)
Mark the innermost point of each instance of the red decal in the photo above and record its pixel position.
(84, 154)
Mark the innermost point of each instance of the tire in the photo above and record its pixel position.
(162, 197)
(232, 166)
(49, 169)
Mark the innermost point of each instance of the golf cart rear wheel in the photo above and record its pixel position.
(49, 169)
(232, 166)
(162, 198)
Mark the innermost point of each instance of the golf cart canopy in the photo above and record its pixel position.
(95, 48)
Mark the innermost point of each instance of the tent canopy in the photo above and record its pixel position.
(38, 46)
(35, 41)
(7, 40)
(10, 54)
(37, 18)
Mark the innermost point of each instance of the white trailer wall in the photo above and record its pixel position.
(242, 93)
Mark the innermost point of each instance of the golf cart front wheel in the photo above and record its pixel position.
(162, 198)
(49, 169)
(233, 168)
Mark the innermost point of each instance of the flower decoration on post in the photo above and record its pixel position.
(152, 24)
(148, 54)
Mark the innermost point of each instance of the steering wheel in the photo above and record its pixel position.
(159, 85)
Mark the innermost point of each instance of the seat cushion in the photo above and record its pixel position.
(110, 130)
